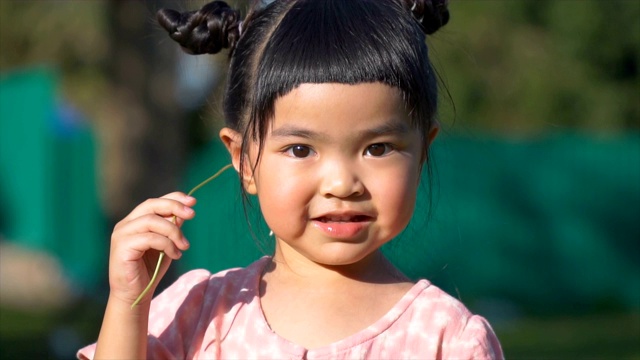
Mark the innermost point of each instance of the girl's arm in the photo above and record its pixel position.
(124, 331)
(136, 243)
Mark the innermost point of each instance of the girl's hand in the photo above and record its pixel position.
(139, 238)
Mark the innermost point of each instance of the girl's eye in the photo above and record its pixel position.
(379, 149)
(299, 151)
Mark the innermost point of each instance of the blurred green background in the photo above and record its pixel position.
(534, 219)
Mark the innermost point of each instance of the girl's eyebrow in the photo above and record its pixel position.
(296, 131)
(391, 127)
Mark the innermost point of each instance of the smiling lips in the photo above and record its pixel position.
(342, 226)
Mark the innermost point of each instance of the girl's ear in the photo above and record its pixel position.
(233, 142)
(433, 132)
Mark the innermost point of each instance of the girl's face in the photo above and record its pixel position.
(339, 171)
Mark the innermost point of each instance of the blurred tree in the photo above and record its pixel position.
(531, 66)
(144, 130)
(69, 35)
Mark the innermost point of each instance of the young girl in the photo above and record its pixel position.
(330, 108)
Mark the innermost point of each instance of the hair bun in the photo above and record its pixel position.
(206, 31)
(432, 14)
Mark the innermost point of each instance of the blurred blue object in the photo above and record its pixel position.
(48, 176)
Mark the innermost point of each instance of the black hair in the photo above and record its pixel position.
(284, 43)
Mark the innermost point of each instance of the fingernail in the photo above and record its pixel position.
(185, 241)
(188, 210)
(190, 198)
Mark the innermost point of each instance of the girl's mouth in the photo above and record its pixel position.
(342, 226)
(342, 218)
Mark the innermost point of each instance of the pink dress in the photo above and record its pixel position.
(204, 316)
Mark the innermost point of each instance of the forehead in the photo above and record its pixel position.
(357, 106)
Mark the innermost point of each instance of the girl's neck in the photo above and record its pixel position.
(314, 305)
(293, 267)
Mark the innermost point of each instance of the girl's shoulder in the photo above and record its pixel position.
(431, 296)
(199, 291)
(223, 277)
(444, 316)
(194, 284)
(198, 307)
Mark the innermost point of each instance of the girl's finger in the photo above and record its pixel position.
(165, 207)
(150, 223)
(141, 243)
(180, 196)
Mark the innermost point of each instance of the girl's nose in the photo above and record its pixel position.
(341, 181)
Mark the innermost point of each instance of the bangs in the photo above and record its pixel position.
(347, 42)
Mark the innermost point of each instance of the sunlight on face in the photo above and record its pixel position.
(339, 173)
